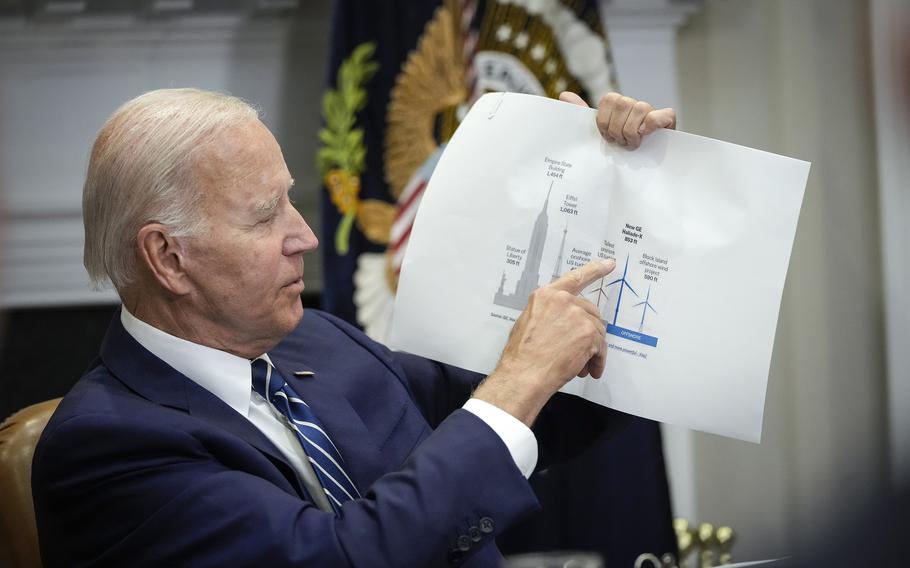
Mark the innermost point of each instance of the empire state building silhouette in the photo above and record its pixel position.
(530, 276)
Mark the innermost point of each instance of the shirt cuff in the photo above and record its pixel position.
(517, 437)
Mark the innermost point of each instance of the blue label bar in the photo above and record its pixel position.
(635, 336)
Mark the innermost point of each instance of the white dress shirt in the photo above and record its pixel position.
(229, 378)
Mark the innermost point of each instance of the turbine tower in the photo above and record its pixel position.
(647, 306)
(623, 283)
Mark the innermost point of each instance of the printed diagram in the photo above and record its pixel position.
(612, 327)
(530, 274)
(644, 311)
(623, 284)
(601, 294)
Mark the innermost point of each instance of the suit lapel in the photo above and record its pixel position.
(204, 405)
(155, 380)
(363, 460)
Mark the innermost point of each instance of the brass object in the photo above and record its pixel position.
(714, 545)
(685, 540)
(725, 540)
(706, 542)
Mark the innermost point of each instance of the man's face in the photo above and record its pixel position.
(247, 267)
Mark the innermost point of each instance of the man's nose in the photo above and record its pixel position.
(301, 238)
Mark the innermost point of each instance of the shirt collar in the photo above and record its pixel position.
(225, 375)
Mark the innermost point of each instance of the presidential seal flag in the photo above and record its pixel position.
(402, 75)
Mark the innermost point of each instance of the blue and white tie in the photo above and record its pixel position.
(322, 453)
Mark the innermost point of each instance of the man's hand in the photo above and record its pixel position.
(624, 120)
(558, 337)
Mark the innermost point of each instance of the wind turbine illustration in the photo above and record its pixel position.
(647, 305)
(623, 283)
(599, 290)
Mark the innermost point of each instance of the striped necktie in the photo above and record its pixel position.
(322, 453)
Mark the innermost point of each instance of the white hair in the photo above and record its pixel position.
(141, 171)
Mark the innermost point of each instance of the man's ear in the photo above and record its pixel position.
(163, 256)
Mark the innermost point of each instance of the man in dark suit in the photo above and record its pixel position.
(223, 426)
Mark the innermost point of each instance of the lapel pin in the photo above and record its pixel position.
(304, 373)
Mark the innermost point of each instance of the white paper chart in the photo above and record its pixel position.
(701, 231)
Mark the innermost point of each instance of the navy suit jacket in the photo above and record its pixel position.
(140, 466)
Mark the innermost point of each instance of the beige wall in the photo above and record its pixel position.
(792, 77)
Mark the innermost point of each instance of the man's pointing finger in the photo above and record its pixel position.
(577, 280)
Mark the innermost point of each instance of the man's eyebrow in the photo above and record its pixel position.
(268, 205)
